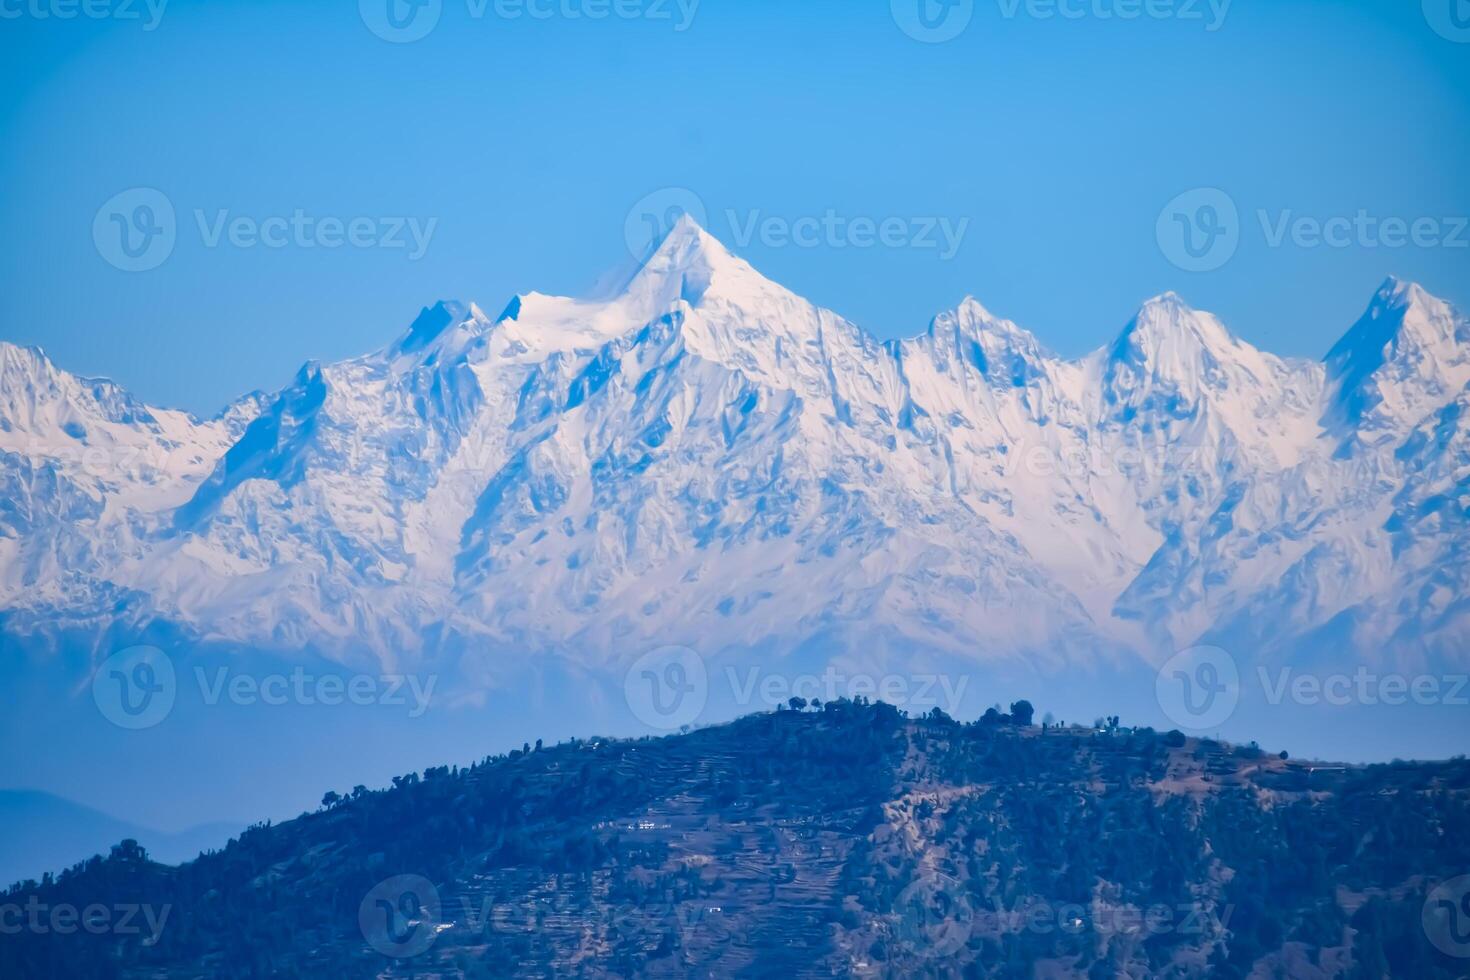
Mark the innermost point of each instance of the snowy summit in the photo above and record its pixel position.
(707, 458)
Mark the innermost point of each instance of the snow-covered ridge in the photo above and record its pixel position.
(707, 458)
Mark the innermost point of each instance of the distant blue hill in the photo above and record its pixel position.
(40, 832)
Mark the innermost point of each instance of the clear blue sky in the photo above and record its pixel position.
(1059, 140)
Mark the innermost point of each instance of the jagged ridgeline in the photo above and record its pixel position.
(846, 840)
(707, 454)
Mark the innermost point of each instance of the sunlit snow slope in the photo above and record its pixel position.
(709, 459)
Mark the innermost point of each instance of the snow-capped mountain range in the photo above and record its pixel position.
(708, 459)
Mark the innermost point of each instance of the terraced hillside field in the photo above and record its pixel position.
(845, 841)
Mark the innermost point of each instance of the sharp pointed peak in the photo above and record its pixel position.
(684, 242)
(1391, 305)
(248, 405)
(1001, 350)
(34, 362)
(1166, 302)
(686, 264)
(970, 306)
(685, 227)
(969, 311)
(1399, 309)
(1166, 329)
(22, 353)
(974, 317)
(513, 309)
(434, 322)
(1408, 342)
(1401, 294)
(1168, 314)
(1395, 285)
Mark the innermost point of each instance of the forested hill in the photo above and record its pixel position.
(846, 840)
